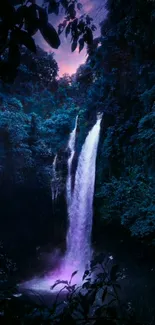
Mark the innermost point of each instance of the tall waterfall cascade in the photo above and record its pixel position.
(80, 207)
(80, 213)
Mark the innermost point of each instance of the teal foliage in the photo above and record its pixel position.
(10, 103)
(56, 129)
(146, 137)
(42, 104)
(131, 199)
(118, 80)
(35, 118)
(16, 155)
(28, 142)
(148, 98)
(121, 66)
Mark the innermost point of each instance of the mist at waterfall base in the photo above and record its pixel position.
(80, 212)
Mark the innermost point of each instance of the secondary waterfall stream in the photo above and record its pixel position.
(80, 212)
(54, 188)
(71, 147)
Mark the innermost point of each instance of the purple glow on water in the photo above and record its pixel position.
(63, 273)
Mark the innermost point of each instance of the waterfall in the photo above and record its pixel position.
(54, 187)
(80, 208)
(80, 212)
(71, 147)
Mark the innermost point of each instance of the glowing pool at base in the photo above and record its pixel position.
(64, 273)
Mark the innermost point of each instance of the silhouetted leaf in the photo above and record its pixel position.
(85, 285)
(88, 37)
(73, 287)
(113, 272)
(74, 25)
(32, 12)
(43, 16)
(74, 45)
(7, 12)
(57, 283)
(14, 54)
(85, 304)
(68, 29)
(25, 39)
(93, 27)
(53, 7)
(50, 35)
(62, 26)
(88, 20)
(64, 3)
(71, 10)
(31, 15)
(21, 13)
(81, 26)
(31, 20)
(73, 274)
(92, 296)
(32, 28)
(79, 6)
(60, 29)
(104, 294)
(86, 273)
(81, 44)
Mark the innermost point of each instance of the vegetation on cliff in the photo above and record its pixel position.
(117, 79)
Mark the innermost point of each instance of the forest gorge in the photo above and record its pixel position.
(38, 112)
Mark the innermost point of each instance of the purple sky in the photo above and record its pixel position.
(68, 62)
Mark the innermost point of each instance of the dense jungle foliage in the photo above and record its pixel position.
(118, 80)
(37, 114)
(20, 20)
(95, 301)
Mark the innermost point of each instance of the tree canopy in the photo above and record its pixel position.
(20, 21)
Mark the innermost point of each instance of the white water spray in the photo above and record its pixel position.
(80, 208)
(71, 147)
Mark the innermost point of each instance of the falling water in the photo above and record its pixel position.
(80, 210)
(71, 147)
(54, 187)
(81, 206)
